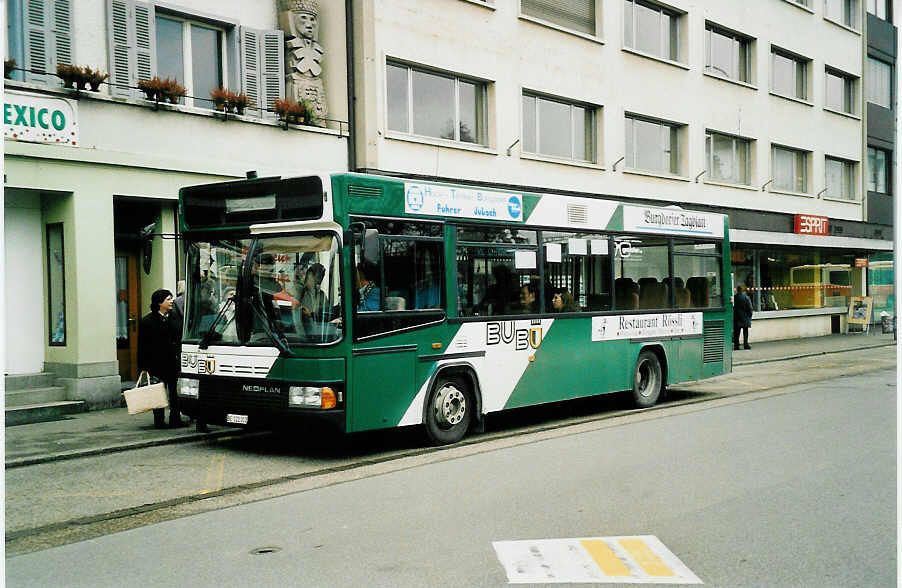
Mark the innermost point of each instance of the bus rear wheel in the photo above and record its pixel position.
(449, 411)
(648, 381)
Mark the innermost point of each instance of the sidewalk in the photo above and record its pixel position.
(107, 431)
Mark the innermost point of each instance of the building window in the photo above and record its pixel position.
(39, 38)
(879, 167)
(192, 52)
(653, 145)
(56, 285)
(790, 170)
(437, 105)
(805, 3)
(879, 82)
(651, 28)
(879, 8)
(728, 54)
(728, 158)
(558, 129)
(840, 178)
(789, 75)
(842, 11)
(578, 15)
(840, 92)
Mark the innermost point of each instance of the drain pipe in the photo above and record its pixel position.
(352, 99)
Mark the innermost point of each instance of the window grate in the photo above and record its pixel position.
(713, 342)
(365, 191)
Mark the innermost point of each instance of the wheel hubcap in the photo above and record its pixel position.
(647, 378)
(450, 406)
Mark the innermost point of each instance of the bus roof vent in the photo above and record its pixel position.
(365, 191)
(577, 214)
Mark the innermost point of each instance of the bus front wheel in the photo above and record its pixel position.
(648, 380)
(449, 412)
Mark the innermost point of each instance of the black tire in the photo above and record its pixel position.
(449, 411)
(648, 379)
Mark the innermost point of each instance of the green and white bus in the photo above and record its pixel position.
(373, 302)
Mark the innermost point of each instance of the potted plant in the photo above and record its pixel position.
(239, 102)
(95, 77)
(9, 66)
(220, 96)
(152, 88)
(295, 113)
(72, 76)
(173, 90)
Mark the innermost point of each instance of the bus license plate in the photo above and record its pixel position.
(236, 419)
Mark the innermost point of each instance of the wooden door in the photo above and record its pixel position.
(127, 314)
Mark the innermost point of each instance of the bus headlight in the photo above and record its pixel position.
(312, 397)
(188, 387)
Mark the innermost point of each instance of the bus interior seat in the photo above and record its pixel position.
(626, 294)
(652, 294)
(395, 303)
(699, 291)
(597, 302)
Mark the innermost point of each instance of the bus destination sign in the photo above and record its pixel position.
(459, 202)
(673, 221)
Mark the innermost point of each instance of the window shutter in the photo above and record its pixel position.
(61, 32)
(250, 66)
(578, 15)
(272, 70)
(38, 43)
(132, 45)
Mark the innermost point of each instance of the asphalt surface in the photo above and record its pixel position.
(786, 486)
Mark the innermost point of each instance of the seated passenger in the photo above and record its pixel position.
(562, 301)
(529, 297)
(367, 288)
(312, 298)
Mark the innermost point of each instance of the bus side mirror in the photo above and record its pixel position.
(146, 236)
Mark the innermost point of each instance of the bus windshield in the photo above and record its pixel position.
(279, 290)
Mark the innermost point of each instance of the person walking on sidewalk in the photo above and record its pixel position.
(742, 317)
(158, 353)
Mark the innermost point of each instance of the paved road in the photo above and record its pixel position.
(787, 487)
(54, 503)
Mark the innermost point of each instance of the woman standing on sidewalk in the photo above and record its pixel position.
(158, 353)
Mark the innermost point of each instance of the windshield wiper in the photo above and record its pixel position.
(280, 342)
(205, 340)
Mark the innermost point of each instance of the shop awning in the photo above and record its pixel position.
(771, 238)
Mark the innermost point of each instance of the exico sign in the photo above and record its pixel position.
(39, 119)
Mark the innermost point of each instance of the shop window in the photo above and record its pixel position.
(641, 273)
(729, 54)
(494, 266)
(148, 40)
(557, 128)
(40, 38)
(56, 285)
(436, 105)
(729, 158)
(790, 169)
(805, 280)
(653, 145)
(879, 83)
(577, 15)
(879, 169)
(652, 28)
(577, 272)
(840, 178)
(840, 92)
(789, 75)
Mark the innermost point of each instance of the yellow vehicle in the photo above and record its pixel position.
(820, 285)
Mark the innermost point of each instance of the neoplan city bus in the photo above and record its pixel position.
(371, 302)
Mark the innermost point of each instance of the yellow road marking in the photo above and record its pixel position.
(646, 558)
(609, 563)
(213, 481)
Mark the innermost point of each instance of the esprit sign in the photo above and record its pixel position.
(39, 119)
(807, 224)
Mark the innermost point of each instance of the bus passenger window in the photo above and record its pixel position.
(696, 270)
(577, 272)
(642, 271)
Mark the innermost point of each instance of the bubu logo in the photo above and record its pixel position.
(506, 332)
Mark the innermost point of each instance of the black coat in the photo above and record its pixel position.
(159, 345)
(742, 310)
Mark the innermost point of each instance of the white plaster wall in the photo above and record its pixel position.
(24, 283)
(792, 327)
(513, 53)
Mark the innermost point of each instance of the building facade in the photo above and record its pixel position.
(86, 171)
(752, 109)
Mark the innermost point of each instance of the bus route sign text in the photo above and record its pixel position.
(459, 202)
